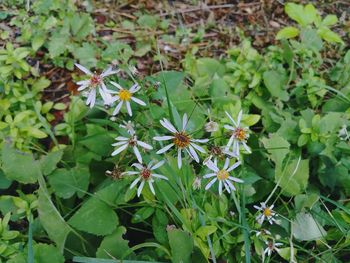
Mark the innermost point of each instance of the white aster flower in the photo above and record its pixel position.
(217, 152)
(181, 140)
(129, 126)
(146, 175)
(96, 83)
(196, 183)
(266, 212)
(223, 176)
(239, 135)
(343, 133)
(271, 246)
(124, 95)
(124, 142)
(263, 232)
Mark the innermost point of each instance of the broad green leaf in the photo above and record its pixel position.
(19, 166)
(51, 220)
(310, 39)
(306, 228)
(294, 178)
(68, 182)
(57, 45)
(204, 231)
(275, 83)
(210, 67)
(329, 35)
(277, 147)
(49, 162)
(142, 214)
(330, 20)
(86, 54)
(304, 15)
(181, 244)
(287, 32)
(114, 245)
(37, 42)
(44, 253)
(36, 133)
(4, 182)
(81, 25)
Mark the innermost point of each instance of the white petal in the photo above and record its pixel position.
(109, 71)
(107, 98)
(246, 147)
(233, 121)
(151, 187)
(157, 165)
(138, 165)
(212, 166)
(235, 165)
(239, 117)
(134, 88)
(236, 148)
(117, 109)
(193, 154)
(119, 143)
(137, 153)
(227, 163)
(160, 176)
(200, 140)
(235, 179)
(227, 187)
(139, 190)
(83, 69)
(231, 185)
(184, 121)
(167, 125)
(198, 148)
(229, 143)
(165, 148)
(179, 159)
(128, 108)
(211, 183)
(130, 173)
(92, 98)
(220, 187)
(120, 149)
(135, 182)
(83, 82)
(82, 87)
(144, 145)
(229, 127)
(115, 84)
(138, 101)
(257, 207)
(121, 138)
(163, 138)
(209, 175)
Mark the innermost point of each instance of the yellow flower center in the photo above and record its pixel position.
(240, 134)
(222, 175)
(267, 212)
(181, 139)
(125, 95)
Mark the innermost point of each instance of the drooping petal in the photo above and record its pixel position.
(157, 165)
(91, 98)
(134, 183)
(227, 163)
(220, 187)
(246, 147)
(163, 138)
(119, 143)
(209, 175)
(193, 154)
(231, 185)
(138, 154)
(144, 145)
(117, 109)
(167, 125)
(200, 140)
(197, 147)
(83, 69)
(227, 148)
(138, 101)
(150, 184)
(83, 82)
(120, 149)
(139, 190)
(138, 166)
(160, 176)
(121, 138)
(115, 84)
(227, 187)
(212, 166)
(109, 71)
(164, 149)
(128, 107)
(184, 121)
(82, 87)
(235, 179)
(179, 159)
(211, 183)
(134, 88)
(234, 166)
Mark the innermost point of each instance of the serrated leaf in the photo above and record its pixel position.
(49, 162)
(275, 83)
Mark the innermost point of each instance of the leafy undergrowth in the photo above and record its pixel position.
(125, 137)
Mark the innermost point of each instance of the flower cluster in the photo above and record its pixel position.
(180, 139)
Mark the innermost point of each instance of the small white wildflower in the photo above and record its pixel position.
(266, 212)
(211, 126)
(343, 133)
(124, 142)
(146, 175)
(271, 246)
(239, 135)
(196, 183)
(223, 176)
(263, 232)
(96, 83)
(217, 152)
(129, 126)
(124, 95)
(181, 140)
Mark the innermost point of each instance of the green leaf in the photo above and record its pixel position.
(181, 244)
(98, 140)
(49, 162)
(37, 42)
(36, 133)
(306, 228)
(114, 245)
(275, 83)
(277, 147)
(330, 20)
(51, 220)
(81, 25)
(57, 45)
(287, 32)
(310, 39)
(148, 21)
(86, 55)
(295, 177)
(328, 35)
(204, 231)
(96, 216)
(44, 253)
(68, 182)
(19, 166)
(142, 214)
(304, 15)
